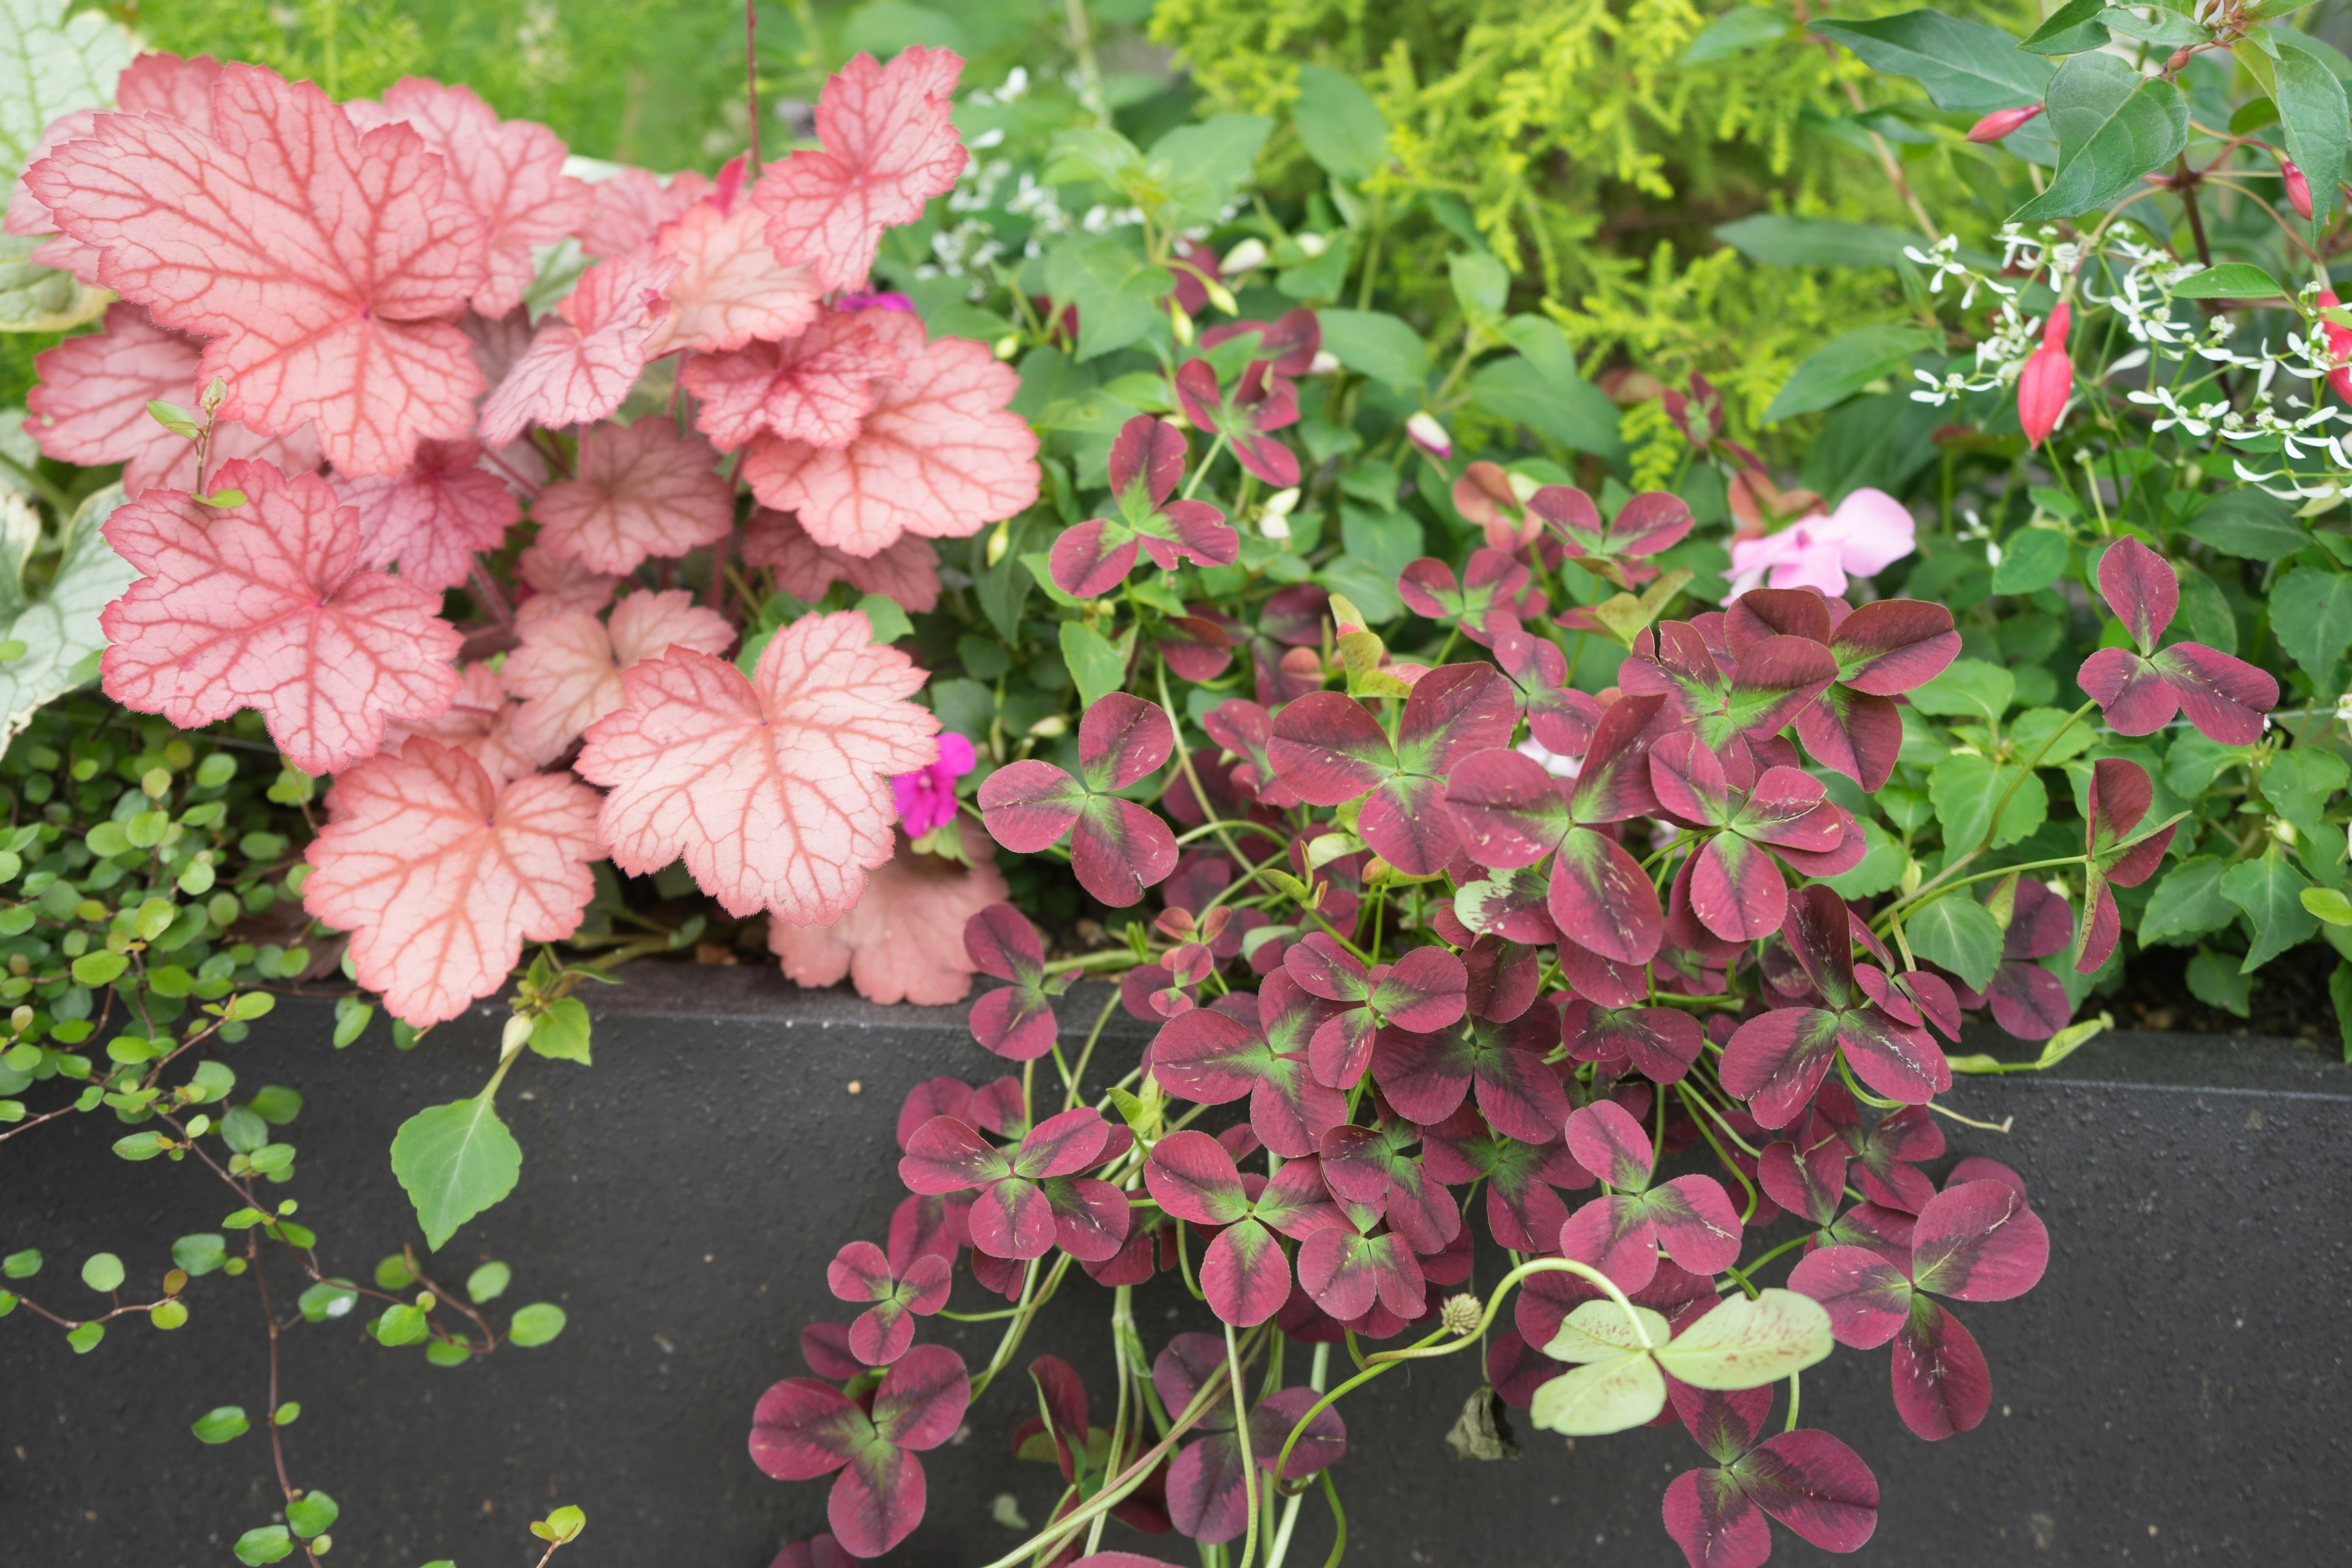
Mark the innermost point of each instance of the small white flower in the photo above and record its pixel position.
(1561, 767)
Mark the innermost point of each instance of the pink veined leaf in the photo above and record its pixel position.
(582, 361)
(265, 605)
(441, 877)
(887, 148)
(478, 722)
(904, 939)
(320, 263)
(89, 406)
(511, 172)
(730, 289)
(169, 84)
(433, 515)
(776, 789)
(642, 489)
(568, 669)
(558, 585)
(630, 206)
(907, 572)
(815, 387)
(938, 455)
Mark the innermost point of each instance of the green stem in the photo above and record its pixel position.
(1241, 1435)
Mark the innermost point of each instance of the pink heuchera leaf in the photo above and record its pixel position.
(816, 387)
(888, 147)
(940, 455)
(89, 406)
(265, 605)
(776, 789)
(904, 939)
(478, 722)
(433, 515)
(731, 288)
(511, 172)
(907, 572)
(568, 669)
(642, 489)
(630, 208)
(440, 876)
(322, 264)
(558, 583)
(582, 361)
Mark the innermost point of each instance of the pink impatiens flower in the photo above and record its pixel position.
(1869, 531)
(927, 797)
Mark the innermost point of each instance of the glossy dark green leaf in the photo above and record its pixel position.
(2271, 892)
(2311, 616)
(2247, 523)
(2230, 281)
(1959, 933)
(2112, 126)
(2314, 117)
(1339, 124)
(1966, 66)
(2071, 29)
(454, 1160)
(1846, 365)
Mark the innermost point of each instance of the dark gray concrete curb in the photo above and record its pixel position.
(2168, 1395)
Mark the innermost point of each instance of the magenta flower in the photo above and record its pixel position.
(875, 302)
(1869, 531)
(927, 797)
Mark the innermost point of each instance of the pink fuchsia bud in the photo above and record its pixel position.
(2339, 348)
(2298, 189)
(1429, 434)
(2000, 122)
(2047, 380)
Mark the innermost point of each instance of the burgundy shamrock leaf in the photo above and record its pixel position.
(1369, 1166)
(803, 1429)
(1215, 1055)
(1778, 1059)
(862, 1272)
(1524, 1209)
(1659, 1043)
(1647, 524)
(2026, 999)
(1691, 1218)
(1427, 1077)
(1244, 1274)
(1976, 1241)
(818, 1551)
(1881, 650)
(1147, 463)
(1262, 400)
(1423, 991)
(1348, 1270)
(2141, 691)
(1061, 1434)
(2119, 796)
(1561, 717)
(1770, 682)
(1032, 1197)
(1116, 848)
(1328, 749)
(1486, 603)
(1811, 1168)
(1015, 1021)
(1197, 647)
(1289, 342)
(1806, 1479)
(1736, 889)
(1286, 647)
(1245, 730)
(1513, 814)
(1208, 1495)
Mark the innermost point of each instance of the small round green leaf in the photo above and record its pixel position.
(536, 1324)
(22, 1265)
(312, 1515)
(99, 968)
(489, 1282)
(168, 1315)
(102, 1272)
(267, 1544)
(221, 1425)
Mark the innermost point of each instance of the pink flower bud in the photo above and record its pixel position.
(2000, 122)
(1429, 435)
(2339, 348)
(2047, 380)
(2298, 189)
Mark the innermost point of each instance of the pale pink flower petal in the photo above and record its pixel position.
(631, 205)
(907, 572)
(583, 362)
(441, 875)
(643, 489)
(904, 942)
(265, 605)
(939, 456)
(511, 172)
(559, 584)
(433, 515)
(775, 790)
(888, 147)
(816, 387)
(568, 669)
(322, 264)
(1875, 530)
(732, 289)
(478, 722)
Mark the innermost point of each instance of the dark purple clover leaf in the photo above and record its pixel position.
(1147, 463)
(1427, 1077)
(1346, 1272)
(1015, 1021)
(803, 1429)
(2138, 692)
(1978, 1241)
(1691, 1218)
(1942, 1385)
(1244, 1274)
(1512, 813)
(1118, 848)
(818, 1551)
(1561, 717)
(1484, 603)
(1211, 1057)
(1012, 1217)
(1197, 647)
(1289, 340)
(1369, 1167)
(1805, 1176)
(1807, 1480)
(1770, 683)
(1608, 1142)
(1262, 400)
(1736, 889)
(2119, 795)
(861, 1271)
(1246, 730)
(1774, 1061)
(2026, 999)
(1425, 990)
(1524, 1209)
(1647, 524)
(1659, 1043)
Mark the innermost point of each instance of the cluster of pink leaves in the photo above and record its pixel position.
(351, 279)
(1385, 1090)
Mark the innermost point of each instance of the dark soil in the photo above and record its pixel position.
(2290, 998)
